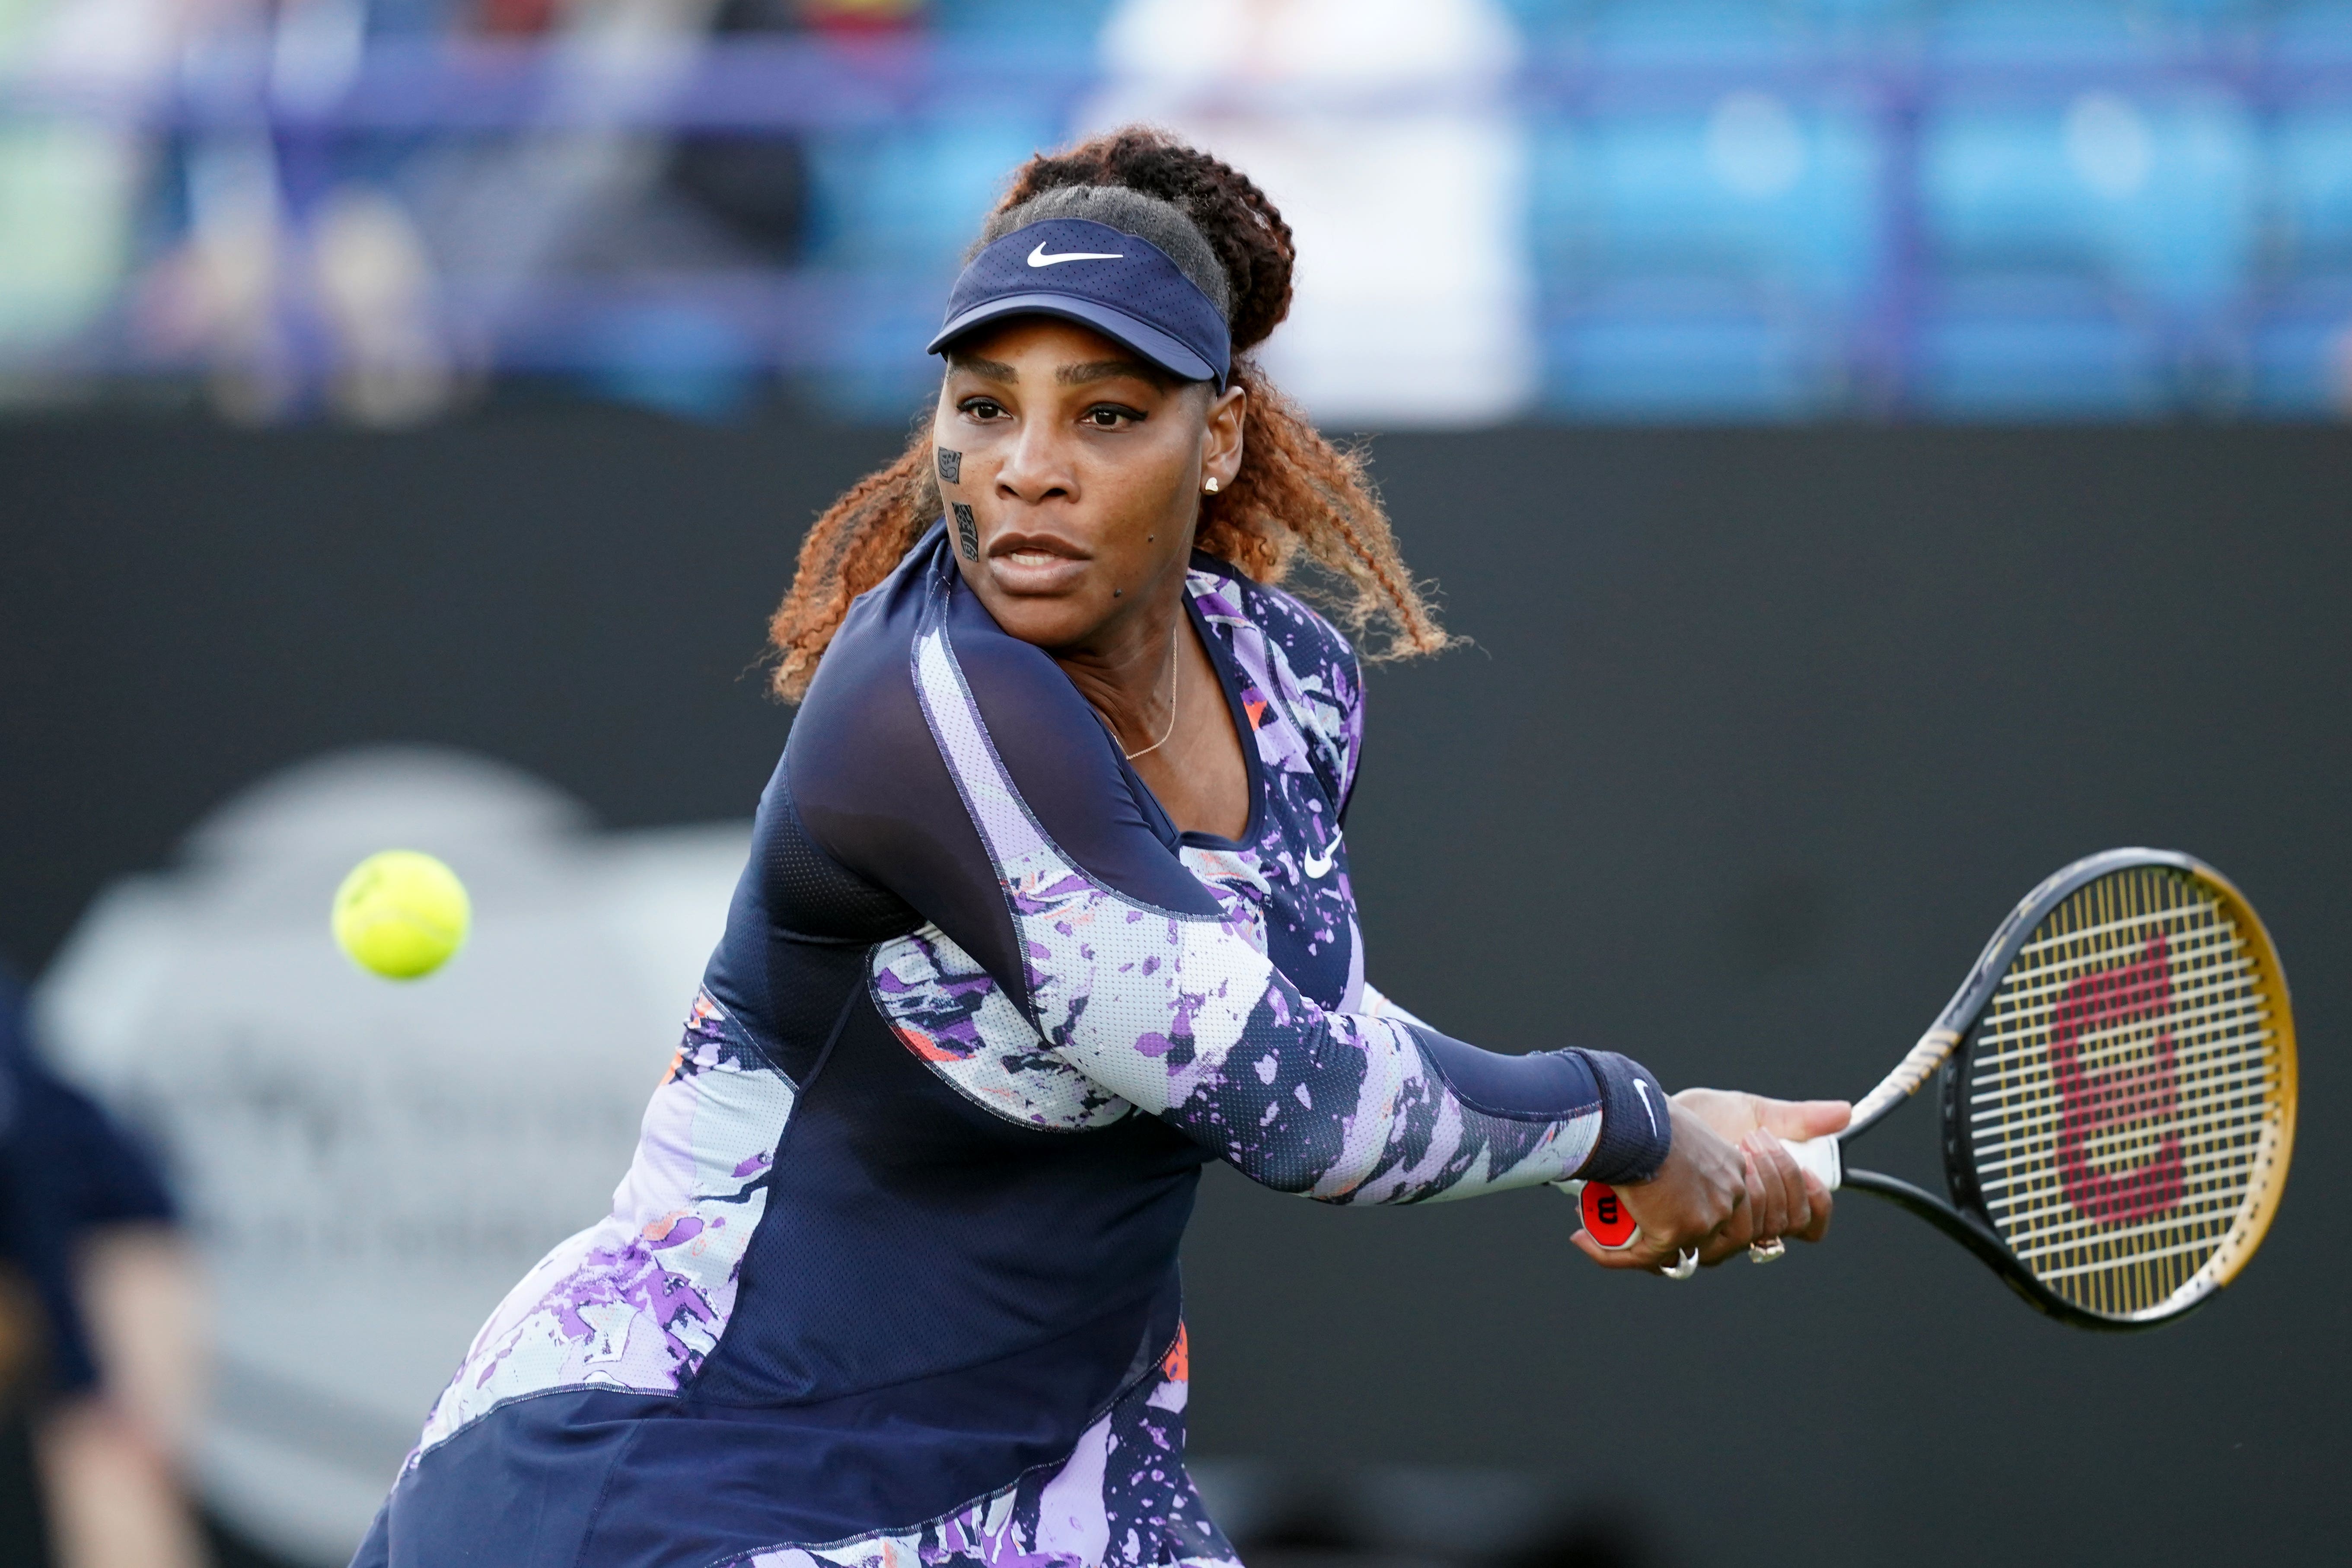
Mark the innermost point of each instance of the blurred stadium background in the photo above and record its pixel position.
(1708, 209)
(1864, 437)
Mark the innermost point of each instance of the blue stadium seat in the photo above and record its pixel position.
(874, 367)
(1779, 194)
(674, 358)
(1872, 13)
(2159, 197)
(2311, 184)
(2315, 32)
(2034, 350)
(1069, 22)
(1689, 353)
(910, 196)
(2209, 15)
(1656, 32)
(1861, 28)
(2039, 32)
(2300, 355)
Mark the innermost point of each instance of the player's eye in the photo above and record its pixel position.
(1111, 416)
(981, 409)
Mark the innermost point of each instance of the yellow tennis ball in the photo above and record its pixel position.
(401, 914)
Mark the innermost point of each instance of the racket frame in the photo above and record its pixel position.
(1946, 1047)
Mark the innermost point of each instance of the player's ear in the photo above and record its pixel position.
(1221, 458)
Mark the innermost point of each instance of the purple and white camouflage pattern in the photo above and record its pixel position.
(1308, 727)
(943, 1006)
(637, 1301)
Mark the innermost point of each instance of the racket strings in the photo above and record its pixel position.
(2125, 1091)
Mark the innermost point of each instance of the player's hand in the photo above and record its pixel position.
(1782, 1200)
(1698, 1200)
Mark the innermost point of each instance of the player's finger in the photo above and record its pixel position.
(1818, 1199)
(1729, 1234)
(1798, 1119)
(1792, 1198)
(1640, 1255)
(1776, 1193)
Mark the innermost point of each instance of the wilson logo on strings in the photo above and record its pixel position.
(2093, 1103)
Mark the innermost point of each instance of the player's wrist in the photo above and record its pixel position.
(1636, 1124)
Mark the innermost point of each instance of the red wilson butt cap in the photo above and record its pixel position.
(1605, 1218)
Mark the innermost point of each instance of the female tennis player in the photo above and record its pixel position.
(1048, 907)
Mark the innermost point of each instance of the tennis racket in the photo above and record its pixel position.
(2118, 1089)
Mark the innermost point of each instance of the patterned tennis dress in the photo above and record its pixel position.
(892, 1280)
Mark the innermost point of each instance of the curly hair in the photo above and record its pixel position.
(1295, 493)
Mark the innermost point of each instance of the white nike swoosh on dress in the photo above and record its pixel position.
(1038, 257)
(1315, 868)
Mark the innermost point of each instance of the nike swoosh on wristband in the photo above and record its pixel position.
(1038, 257)
(1315, 868)
(1644, 1091)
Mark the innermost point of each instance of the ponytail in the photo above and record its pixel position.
(858, 541)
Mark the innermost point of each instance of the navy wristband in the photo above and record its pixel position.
(1636, 1133)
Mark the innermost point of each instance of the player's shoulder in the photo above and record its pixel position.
(1308, 642)
(1298, 659)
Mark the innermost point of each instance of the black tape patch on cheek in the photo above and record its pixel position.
(967, 531)
(950, 466)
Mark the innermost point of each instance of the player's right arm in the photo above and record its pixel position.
(973, 783)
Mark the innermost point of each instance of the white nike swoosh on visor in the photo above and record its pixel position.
(1038, 257)
(1318, 869)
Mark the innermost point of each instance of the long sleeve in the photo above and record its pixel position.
(1060, 891)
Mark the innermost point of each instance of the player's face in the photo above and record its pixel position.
(1081, 468)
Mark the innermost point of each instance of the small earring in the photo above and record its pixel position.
(1212, 486)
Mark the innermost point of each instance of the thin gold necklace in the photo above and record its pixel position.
(1172, 673)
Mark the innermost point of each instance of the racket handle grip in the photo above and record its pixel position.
(1819, 1158)
(1606, 1221)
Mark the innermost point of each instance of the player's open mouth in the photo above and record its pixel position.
(1036, 563)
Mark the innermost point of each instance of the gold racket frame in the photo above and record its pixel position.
(2269, 1181)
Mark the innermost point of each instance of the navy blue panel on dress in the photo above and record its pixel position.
(939, 1201)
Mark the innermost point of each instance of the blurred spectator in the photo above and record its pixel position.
(291, 270)
(755, 184)
(1380, 129)
(619, 252)
(855, 19)
(367, 269)
(103, 1313)
(68, 187)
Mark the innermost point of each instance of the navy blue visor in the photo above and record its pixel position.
(1122, 287)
